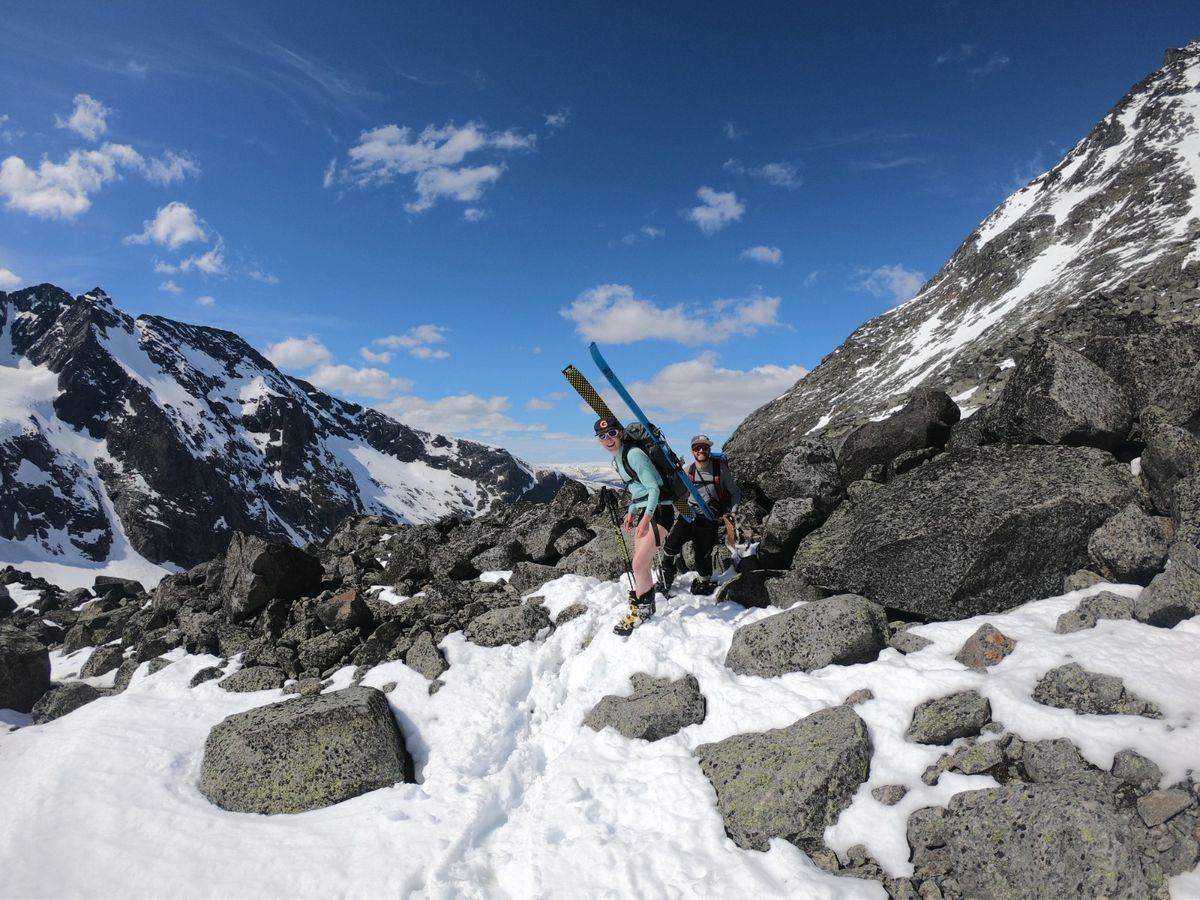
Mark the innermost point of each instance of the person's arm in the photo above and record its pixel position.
(647, 476)
(735, 492)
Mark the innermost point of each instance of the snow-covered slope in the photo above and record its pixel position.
(515, 797)
(1113, 228)
(134, 445)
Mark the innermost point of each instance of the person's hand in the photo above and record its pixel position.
(627, 523)
(643, 528)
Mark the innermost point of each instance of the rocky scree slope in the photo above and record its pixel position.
(174, 436)
(1112, 229)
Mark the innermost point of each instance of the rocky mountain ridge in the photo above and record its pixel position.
(148, 436)
(1111, 230)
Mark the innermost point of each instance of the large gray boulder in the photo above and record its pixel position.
(788, 522)
(304, 754)
(840, 630)
(1173, 595)
(806, 468)
(658, 708)
(1029, 840)
(790, 782)
(1057, 396)
(24, 670)
(511, 625)
(1154, 362)
(945, 719)
(925, 421)
(257, 571)
(973, 531)
(1171, 455)
(63, 699)
(1131, 547)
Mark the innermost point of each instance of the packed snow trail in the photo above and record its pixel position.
(515, 796)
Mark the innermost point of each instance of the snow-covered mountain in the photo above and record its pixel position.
(1112, 229)
(138, 442)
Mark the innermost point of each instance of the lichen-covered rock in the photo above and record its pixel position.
(1104, 605)
(253, 678)
(1172, 454)
(512, 625)
(425, 658)
(304, 754)
(1057, 396)
(1051, 760)
(344, 610)
(256, 571)
(326, 650)
(208, 673)
(528, 576)
(1132, 768)
(944, 719)
(790, 520)
(1173, 595)
(24, 670)
(63, 699)
(102, 660)
(658, 708)
(1073, 687)
(1029, 840)
(986, 647)
(838, 630)
(789, 782)
(925, 421)
(1131, 547)
(971, 532)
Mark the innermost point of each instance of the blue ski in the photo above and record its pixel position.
(608, 373)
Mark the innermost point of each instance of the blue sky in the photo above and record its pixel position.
(431, 208)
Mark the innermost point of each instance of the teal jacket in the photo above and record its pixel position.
(643, 482)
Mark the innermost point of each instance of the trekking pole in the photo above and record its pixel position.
(609, 500)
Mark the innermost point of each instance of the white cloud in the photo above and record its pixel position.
(611, 314)
(474, 214)
(9, 280)
(432, 158)
(417, 341)
(170, 168)
(298, 353)
(89, 118)
(771, 255)
(646, 232)
(378, 358)
(164, 268)
(63, 190)
(733, 132)
(374, 383)
(9, 134)
(547, 402)
(173, 226)
(995, 63)
(961, 53)
(331, 172)
(895, 281)
(779, 174)
(719, 398)
(206, 300)
(718, 209)
(212, 262)
(559, 118)
(170, 287)
(459, 413)
(263, 277)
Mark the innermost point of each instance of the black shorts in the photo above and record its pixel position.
(664, 515)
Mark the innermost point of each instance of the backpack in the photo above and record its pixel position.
(669, 470)
(719, 463)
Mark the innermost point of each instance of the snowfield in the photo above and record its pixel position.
(515, 797)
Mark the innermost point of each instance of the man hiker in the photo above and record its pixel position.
(649, 517)
(714, 482)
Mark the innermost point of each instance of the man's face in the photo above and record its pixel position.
(701, 452)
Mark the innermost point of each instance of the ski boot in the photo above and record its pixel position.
(703, 587)
(640, 609)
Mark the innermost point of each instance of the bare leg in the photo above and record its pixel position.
(644, 549)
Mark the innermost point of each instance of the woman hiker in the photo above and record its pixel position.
(649, 517)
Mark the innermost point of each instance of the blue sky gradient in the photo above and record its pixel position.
(432, 208)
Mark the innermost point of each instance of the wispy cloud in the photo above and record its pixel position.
(779, 174)
(612, 314)
(170, 287)
(960, 54)
(211, 262)
(995, 63)
(558, 118)
(645, 233)
(9, 280)
(433, 158)
(263, 277)
(770, 255)
(879, 165)
(89, 118)
(968, 56)
(9, 133)
(717, 210)
(206, 300)
(719, 398)
(417, 341)
(732, 132)
(895, 282)
(382, 358)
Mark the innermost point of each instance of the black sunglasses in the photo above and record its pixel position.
(702, 448)
(611, 433)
